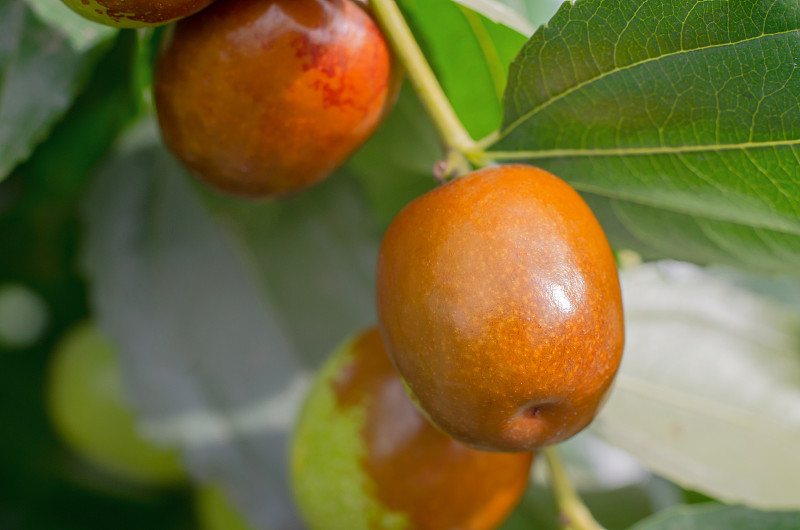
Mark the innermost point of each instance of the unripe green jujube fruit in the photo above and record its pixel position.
(364, 457)
(85, 401)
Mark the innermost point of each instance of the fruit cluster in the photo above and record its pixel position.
(498, 300)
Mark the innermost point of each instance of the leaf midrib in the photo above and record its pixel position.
(637, 151)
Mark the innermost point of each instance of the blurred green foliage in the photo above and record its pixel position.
(43, 485)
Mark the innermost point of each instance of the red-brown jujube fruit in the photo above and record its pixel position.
(263, 98)
(499, 302)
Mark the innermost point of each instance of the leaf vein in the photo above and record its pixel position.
(550, 101)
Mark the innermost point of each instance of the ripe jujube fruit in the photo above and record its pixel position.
(499, 302)
(263, 98)
(364, 457)
(136, 13)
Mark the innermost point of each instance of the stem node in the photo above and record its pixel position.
(454, 166)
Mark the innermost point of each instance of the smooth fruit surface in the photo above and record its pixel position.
(88, 410)
(136, 13)
(266, 97)
(499, 302)
(365, 458)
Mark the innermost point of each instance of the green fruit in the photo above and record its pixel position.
(88, 410)
(135, 13)
(364, 457)
(215, 512)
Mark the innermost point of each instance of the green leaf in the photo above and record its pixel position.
(41, 223)
(700, 239)
(717, 517)
(42, 68)
(670, 109)
(221, 309)
(473, 73)
(708, 393)
(396, 164)
(109, 101)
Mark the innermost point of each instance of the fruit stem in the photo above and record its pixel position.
(575, 514)
(459, 145)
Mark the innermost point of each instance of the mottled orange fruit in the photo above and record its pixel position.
(417, 469)
(416, 476)
(136, 13)
(499, 302)
(266, 97)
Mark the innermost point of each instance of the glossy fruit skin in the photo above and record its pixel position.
(263, 98)
(84, 395)
(136, 13)
(499, 302)
(400, 472)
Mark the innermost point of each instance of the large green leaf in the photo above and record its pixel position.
(717, 517)
(42, 68)
(708, 393)
(682, 113)
(221, 309)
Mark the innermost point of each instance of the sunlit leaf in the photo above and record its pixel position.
(716, 517)
(682, 114)
(708, 394)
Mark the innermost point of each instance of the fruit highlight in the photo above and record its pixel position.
(499, 302)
